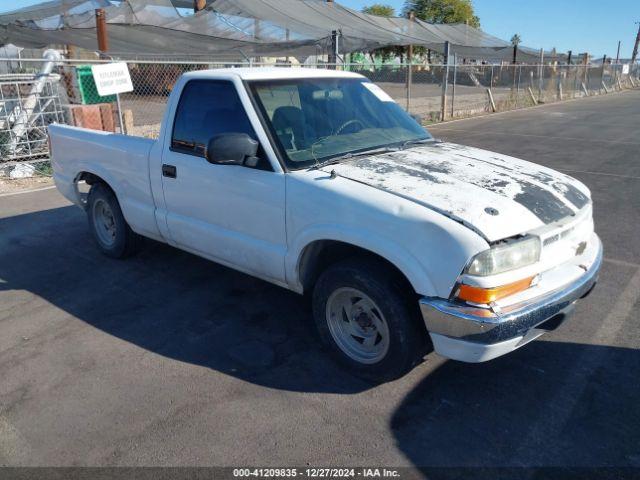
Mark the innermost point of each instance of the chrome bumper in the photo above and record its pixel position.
(473, 325)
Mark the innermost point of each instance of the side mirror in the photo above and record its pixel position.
(233, 149)
(417, 118)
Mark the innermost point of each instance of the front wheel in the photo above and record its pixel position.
(108, 226)
(366, 320)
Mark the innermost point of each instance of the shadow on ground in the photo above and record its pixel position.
(171, 303)
(548, 404)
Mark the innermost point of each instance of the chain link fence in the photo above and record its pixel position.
(34, 95)
(27, 105)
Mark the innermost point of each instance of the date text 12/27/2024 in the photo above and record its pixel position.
(315, 473)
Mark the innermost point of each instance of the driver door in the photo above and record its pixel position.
(232, 214)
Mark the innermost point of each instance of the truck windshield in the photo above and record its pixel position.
(315, 119)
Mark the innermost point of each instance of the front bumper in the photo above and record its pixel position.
(473, 334)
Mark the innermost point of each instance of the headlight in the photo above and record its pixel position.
(503, 258)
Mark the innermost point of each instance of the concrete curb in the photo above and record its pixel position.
(21, 192)
(541, 105)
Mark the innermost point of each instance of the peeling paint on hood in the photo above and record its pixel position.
(496, 195)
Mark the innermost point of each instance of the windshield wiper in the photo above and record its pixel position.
(416, 142)
(349, 156)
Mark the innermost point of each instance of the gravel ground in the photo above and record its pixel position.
(12, 185)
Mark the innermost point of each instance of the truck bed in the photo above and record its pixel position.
(121, 161)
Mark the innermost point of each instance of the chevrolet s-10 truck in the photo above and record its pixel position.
(317, 181)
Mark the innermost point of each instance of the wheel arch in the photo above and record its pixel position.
(137, 204)
(318, 253)
(92, 178)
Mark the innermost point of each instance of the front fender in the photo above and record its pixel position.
(369, 240)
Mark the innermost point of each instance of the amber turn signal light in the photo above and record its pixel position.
(472, 294)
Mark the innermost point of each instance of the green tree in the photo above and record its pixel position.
(443, 11)
(516, 40)
(386, 53)
(379, 10)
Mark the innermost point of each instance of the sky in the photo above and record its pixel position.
(594, 26)
(578, 25)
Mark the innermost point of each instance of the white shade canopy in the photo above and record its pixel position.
(239, 28)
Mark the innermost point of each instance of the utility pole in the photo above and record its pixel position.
(635, 48)
(618, 54)
(101, 30)
(199, 5)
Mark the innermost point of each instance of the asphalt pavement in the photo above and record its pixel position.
(168, 359)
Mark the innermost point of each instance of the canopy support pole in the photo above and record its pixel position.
(453, 87)
(541, 74)
(445, 82)
(103, 47)
(256, 36)
(101, 30)
(199, 5)
(287, 37)
(411, 16)
(604, 63)
(332, 57)
(585, 61)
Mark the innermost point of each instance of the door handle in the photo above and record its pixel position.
(169, 171)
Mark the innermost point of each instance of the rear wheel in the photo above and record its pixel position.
(367, 321)
(108, 226)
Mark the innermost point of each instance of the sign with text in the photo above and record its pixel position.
(112, 78)
(625, 69)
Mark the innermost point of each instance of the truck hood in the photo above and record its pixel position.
(495, 195)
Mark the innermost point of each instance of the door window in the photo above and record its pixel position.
(208, 108)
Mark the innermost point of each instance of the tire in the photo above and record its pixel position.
(110, 230)
(358, 339)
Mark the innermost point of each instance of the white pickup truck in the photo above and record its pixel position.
(317, 181)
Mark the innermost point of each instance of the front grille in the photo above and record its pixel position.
(554, 238)
(564, 243)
